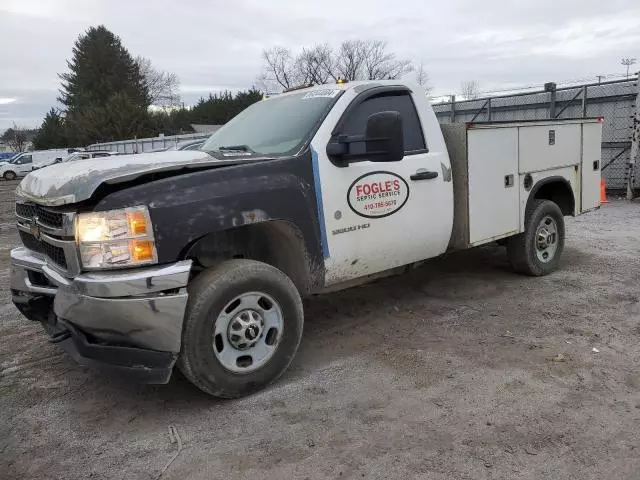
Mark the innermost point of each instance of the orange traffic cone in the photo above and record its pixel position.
(603, 191)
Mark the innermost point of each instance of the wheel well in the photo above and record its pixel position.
(558, 191)
(278, 243)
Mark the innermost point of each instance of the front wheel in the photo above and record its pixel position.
(242, 328)
(537, 251)
(9, 175)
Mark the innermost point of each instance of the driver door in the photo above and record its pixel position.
(380, 215)
(24, 164)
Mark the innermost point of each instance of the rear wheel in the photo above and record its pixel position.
(9, 175)
(537, 251)
(242, 328)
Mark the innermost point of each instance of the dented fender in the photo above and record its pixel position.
(187, 207)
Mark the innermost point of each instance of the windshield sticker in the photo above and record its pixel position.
(378, 194)
(323, 93)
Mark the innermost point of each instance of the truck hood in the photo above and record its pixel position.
(72, 182)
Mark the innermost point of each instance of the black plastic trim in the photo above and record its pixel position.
(142, 365)
(362, 97)
(365, 95)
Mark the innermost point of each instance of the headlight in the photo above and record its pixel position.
(116, 238)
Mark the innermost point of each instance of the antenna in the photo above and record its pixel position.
(627, 62)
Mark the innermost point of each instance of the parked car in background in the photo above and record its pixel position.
(23, 163)
(18, 166)
(79, 155)
(190, 145)
(193, 145)
(86, 155)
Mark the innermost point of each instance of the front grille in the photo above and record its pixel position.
(49, 218)
(45, 216)
(25, 210)
(56, 254)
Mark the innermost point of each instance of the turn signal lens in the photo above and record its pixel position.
(137, 223)
(143, 251)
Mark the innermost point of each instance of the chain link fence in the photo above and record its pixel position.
(616, 101)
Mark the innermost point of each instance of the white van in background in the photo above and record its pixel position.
(23, 163)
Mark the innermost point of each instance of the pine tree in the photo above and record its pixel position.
(104, 92)
(219, 108)
(51, 133)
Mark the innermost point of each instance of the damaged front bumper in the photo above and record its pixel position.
(128, 320)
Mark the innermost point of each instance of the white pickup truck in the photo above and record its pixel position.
(202, 257)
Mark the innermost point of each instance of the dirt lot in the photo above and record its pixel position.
(444, 373)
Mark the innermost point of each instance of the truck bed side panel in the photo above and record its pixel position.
(455, 137)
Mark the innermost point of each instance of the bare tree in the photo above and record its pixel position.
(350, 59)
(379, 64)
(354, 60)
(164, 87)
(280, 67)
(262, 82)
(17, 138)
(315, 64)
(422, 78)
(469, 89)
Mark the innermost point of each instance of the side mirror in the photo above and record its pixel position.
(383, 137)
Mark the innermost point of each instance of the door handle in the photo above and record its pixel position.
(424, 175)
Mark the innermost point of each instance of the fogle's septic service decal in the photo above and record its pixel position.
(378, 194)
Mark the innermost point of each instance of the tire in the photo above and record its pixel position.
(526, 253)
(9, 175)
(204, 349)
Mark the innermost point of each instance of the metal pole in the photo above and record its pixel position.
(453, 109)
(551, 88)
(584, 101)
(489, 110)
(635, 142)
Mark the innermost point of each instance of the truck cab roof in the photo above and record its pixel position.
(358, 86)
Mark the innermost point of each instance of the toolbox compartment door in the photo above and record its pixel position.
(591, 166)
(494, 198)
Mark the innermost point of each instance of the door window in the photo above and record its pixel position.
(24, 159)
(356, 123)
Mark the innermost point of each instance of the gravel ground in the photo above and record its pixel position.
(448, 372)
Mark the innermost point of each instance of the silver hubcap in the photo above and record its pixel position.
(247, 332)
(546, 239)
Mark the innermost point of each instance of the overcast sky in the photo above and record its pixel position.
(215, 45)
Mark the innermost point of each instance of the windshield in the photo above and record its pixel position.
(276, 126)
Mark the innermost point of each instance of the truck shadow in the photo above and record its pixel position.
(465, 278)
(329, 314)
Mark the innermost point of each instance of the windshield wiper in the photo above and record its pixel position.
(235, 148)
